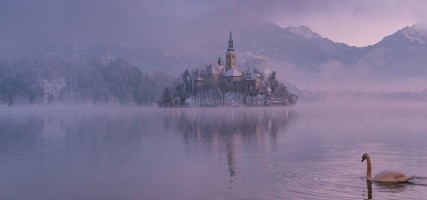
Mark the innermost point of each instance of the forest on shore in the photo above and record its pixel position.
(116, 81)
(98, 81)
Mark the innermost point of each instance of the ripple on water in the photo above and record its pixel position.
(340, 175)
(308, 180)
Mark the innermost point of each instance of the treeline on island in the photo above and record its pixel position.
(203, 88)
(104, 81)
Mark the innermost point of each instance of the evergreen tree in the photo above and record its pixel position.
(166, 98)
(272, 81)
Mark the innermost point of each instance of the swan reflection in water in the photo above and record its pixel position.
(384, 187)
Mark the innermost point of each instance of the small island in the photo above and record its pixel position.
(219, 85)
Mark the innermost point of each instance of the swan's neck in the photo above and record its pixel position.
(369, 169)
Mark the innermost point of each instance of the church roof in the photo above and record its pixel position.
(215, 69)
(233, 73)
(254, 76)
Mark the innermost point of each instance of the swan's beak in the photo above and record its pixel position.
(363, 159)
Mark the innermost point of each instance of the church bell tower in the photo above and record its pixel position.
(230, 55)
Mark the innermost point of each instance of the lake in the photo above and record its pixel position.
(310, 151)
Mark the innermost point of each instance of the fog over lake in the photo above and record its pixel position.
(310, 151)
(176, 100)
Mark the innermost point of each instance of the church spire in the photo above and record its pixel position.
(230, 43)
(230, 55)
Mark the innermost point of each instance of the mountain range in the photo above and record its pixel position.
(298, 54)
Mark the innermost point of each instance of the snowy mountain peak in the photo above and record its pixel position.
(414, 34)
(303, 31)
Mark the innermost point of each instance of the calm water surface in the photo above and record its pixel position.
(303, 152)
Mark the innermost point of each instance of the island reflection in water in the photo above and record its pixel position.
(224, 130)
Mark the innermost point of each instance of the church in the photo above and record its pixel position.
(224, 84)
(216, 73)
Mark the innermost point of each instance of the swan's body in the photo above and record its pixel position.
(385, 176)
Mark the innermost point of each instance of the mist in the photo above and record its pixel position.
(127, 99)
(167, 37)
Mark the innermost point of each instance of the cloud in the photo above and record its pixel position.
(359, 22)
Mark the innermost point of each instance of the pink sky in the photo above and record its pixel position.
(357, 23)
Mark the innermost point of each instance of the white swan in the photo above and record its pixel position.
(386, 176)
